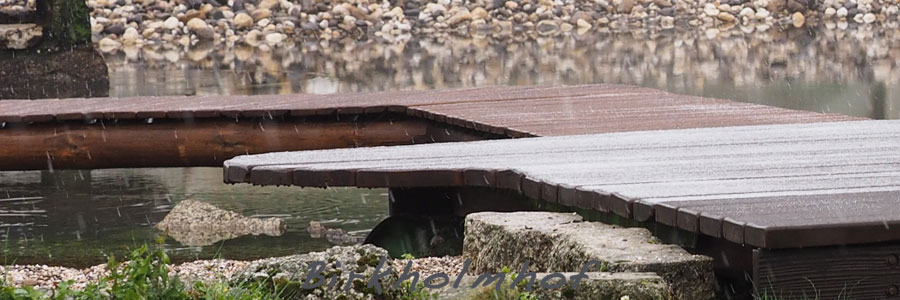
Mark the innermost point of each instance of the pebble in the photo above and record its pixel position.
(546, 27)
(842, 12)
(306, 20)
(727, 17)
(201, 29)
(583, 24)
(171, 23)
(109, 44)
(260, 14)
(711, 10)
(274, 38)
(869, 18)
(242, 21)
(47, 277)
(798, 19)
(131, 36)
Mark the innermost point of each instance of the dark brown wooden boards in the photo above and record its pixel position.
(769, 186)
(847, 272)
(206, 130)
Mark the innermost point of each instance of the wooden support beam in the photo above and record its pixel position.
(202, 141)
(443, 201)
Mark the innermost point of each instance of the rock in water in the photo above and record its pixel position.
(335, 236)
(195, 223)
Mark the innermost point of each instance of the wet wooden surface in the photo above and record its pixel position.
(511, 111)
(769, 186)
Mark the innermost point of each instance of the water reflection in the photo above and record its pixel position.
(77, 218)
(852, 71)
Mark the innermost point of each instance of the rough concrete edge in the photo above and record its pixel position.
(550, 249)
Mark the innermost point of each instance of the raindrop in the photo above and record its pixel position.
(149, 121)
(886, 226)
(391, 196)
(261, 127)
(176, 133)
(363, 197)
(446, 131)
(91, 121)
(49, 162)
(433, 228)
(102, 125)
(2, 124)
(459, 199)
(725, 259)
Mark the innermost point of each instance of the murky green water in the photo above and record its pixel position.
(78, 218)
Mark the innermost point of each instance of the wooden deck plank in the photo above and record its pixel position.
(512, 111)
(828, 182)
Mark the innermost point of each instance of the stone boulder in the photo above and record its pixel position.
(597, 285)
(291, 271)
(196, 223)
(563, 242)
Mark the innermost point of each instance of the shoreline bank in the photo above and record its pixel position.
(280, 23)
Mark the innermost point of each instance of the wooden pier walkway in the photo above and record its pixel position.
(206, 130)
(768, 187)
(790, 188)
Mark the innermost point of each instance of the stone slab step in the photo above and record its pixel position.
(597, 285)
(19, 36)
(563, 242)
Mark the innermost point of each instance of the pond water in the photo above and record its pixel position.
(77, 218)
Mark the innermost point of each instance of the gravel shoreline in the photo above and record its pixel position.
(47, 277)
(279, 23)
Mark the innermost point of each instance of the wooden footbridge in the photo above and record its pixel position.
(809, 201)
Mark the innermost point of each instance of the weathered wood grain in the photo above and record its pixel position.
(858, 272)
(771, 186)
(202, 142)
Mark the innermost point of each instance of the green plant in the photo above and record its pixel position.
(407, 256)
(146, 276)
(418, 293)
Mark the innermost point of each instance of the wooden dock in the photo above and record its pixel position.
(770, 187)
(207, 130)
(786, 190)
